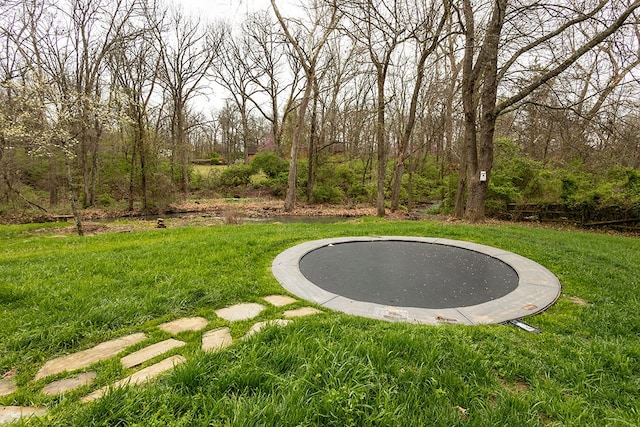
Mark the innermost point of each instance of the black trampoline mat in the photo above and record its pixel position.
(408, 273)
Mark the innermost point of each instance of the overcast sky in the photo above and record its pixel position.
(231, 10)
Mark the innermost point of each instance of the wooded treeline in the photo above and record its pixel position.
(103, 99)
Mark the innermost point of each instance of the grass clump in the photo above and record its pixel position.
(63, 294)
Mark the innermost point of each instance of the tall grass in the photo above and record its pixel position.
(63, 294)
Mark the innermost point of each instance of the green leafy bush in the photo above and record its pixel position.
(236, 175)
(360, 193)
(278, 185)
(514, 177)
(269, 163)
(106, 200)
(325, 193)
(216, 159)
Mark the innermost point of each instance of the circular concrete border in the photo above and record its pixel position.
(537, 289)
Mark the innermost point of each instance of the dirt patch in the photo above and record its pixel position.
(267, 208)
(580, 301)
(214, 212)
(249, 208)
(515, 387)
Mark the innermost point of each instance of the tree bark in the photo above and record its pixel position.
(53, 181)
(480, 86)
(72, 198)
(313, 144)
(308, 60)
(290, 198)
(381, 138)
(426, 51)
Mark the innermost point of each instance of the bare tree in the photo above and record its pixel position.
(380, 27)
(134, 66)
(187, 53)
(229, 129)
(64, 47)
(427, 33)
(94, 29)
(484, 69)
(274, 72)
(308, 55)
(234, 72)
(338, 67)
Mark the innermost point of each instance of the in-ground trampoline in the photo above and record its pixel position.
(416, 279)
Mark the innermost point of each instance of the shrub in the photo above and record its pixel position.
(105, 200)
(360, 193)
(568, 189)
(278, 185)
(324, 193)
(216, 159)
(269, 163)
(505, 192)
(236, 175)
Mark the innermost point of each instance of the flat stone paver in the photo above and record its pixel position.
(185, 324)
(148, 353)
(7, 386)
(141, 377)
(67, 384)
(90, 356)
(217, 339)
(303, 311)
(9, 414)
(242, 311)
(279, 300)
(258, 326)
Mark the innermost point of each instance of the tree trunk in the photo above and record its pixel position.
(245, 129)
(397, 178)
(313, 145)
(426, 51)
(72, 198)
(461, 189)
(143, 170)
(132, 174)
(83, 163)
(290, 198)
(412, 169)
(53, 181)
(475, 200)
(181, 146)
(93, 176)
(479, 92)
(381, 140)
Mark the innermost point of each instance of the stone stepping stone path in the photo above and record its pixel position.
(82, 359)
(279, 300)
(68, 384)
(212, 341)
(7, 386)
(141, 377)
(184, 324)
(304, 311)
(148, 353)
(10, 414)
(238, 312)
(217, 339)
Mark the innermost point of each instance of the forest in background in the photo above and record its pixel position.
(465, 106)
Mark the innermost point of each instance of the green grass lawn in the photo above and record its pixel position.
(63, 294)
(205, 170)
